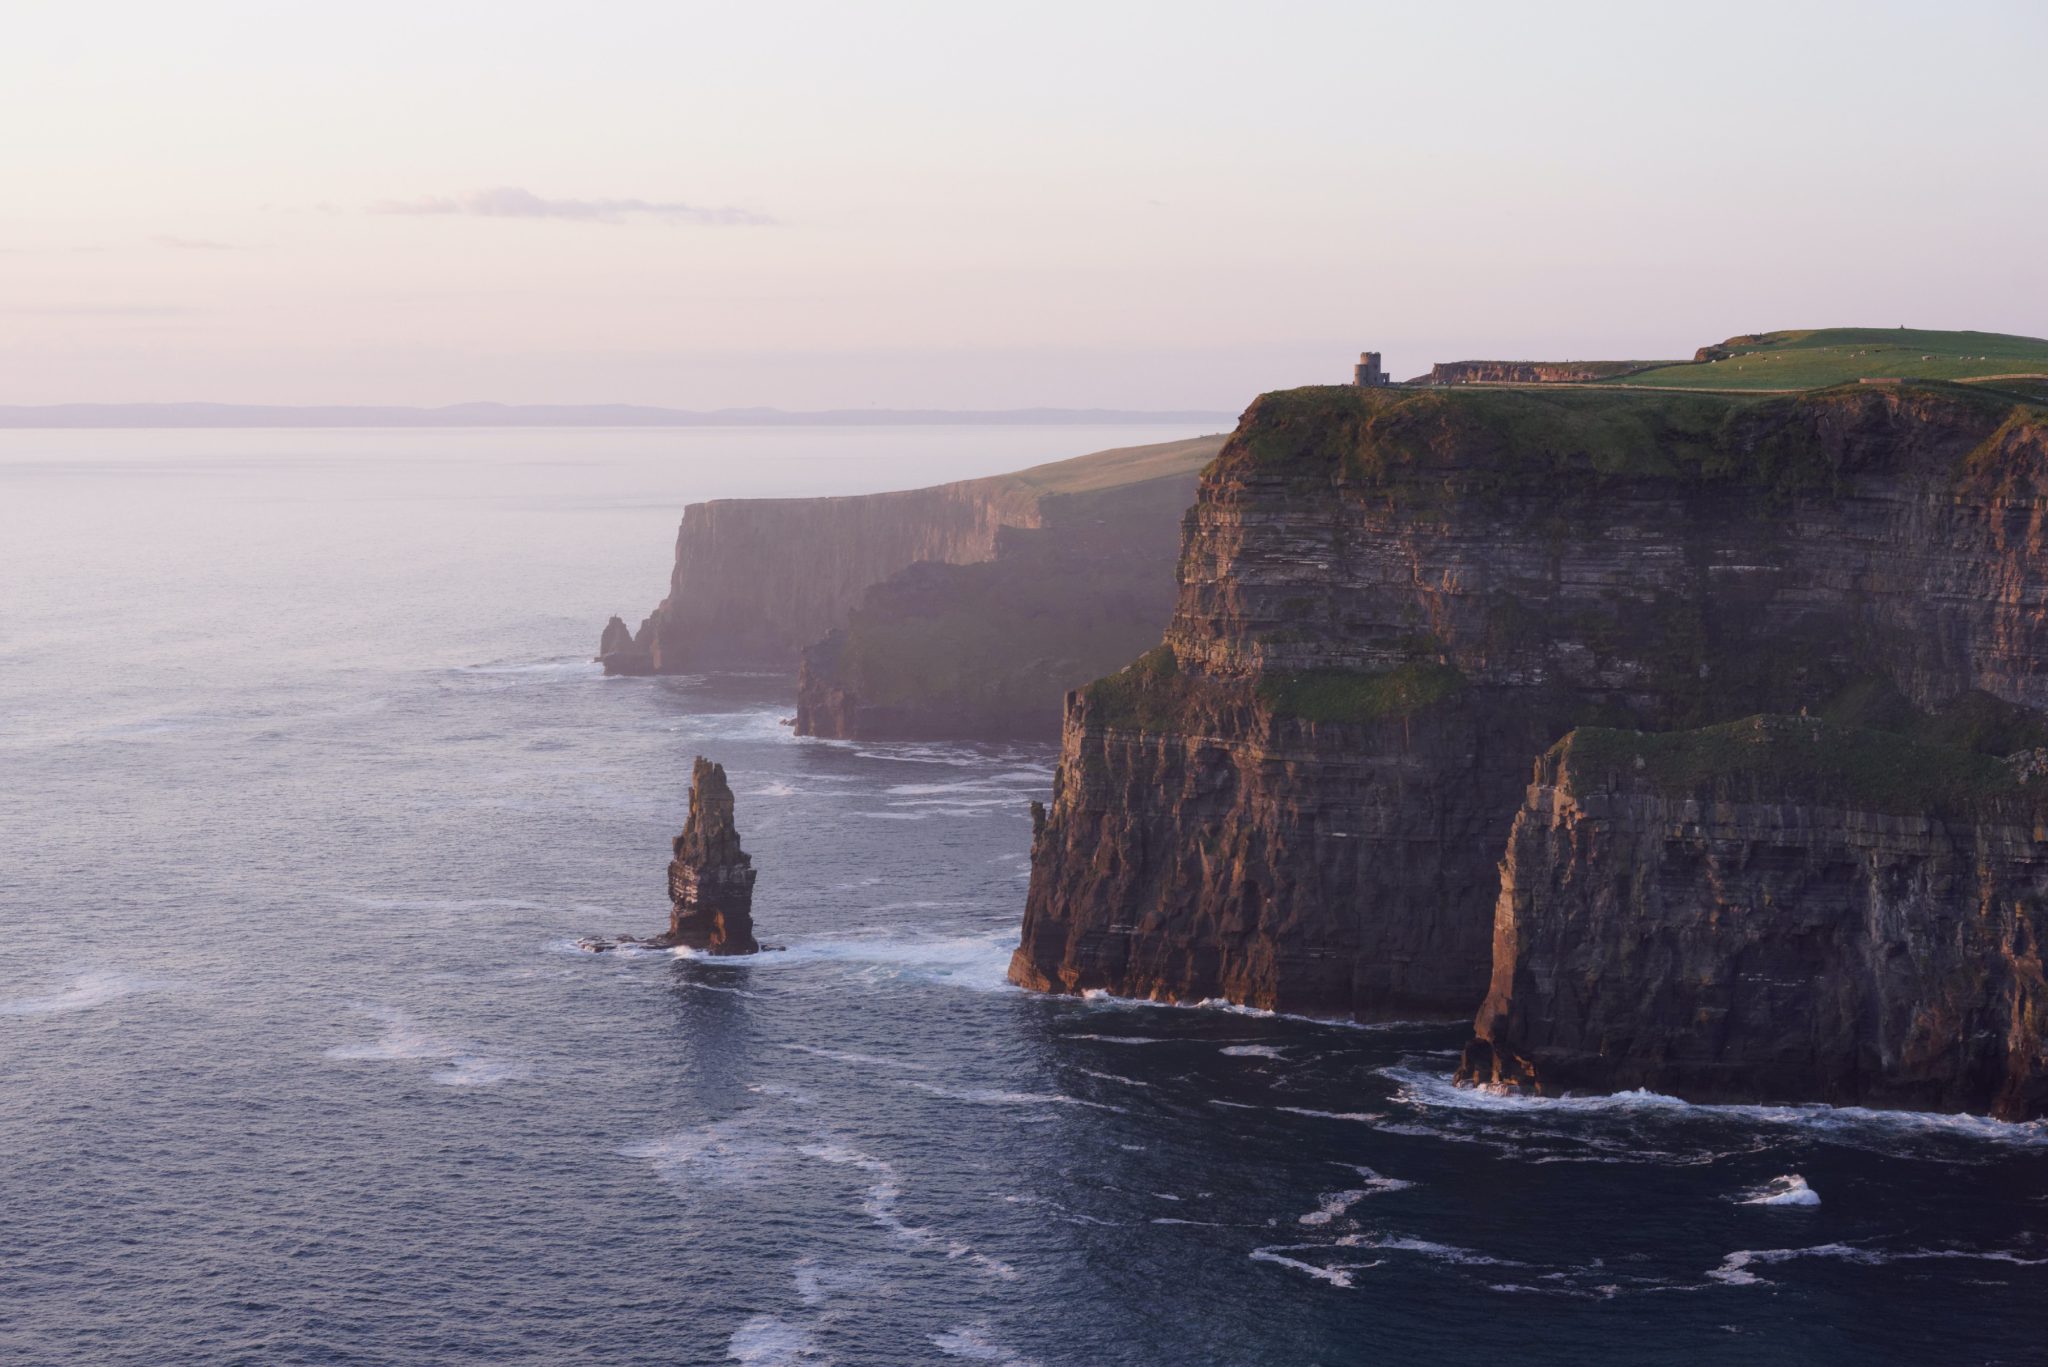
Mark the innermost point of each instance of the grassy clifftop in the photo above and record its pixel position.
(1508, 438)
(1783, 759)
(1116, 468)
(1815, 358)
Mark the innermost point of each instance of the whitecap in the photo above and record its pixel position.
(771, 1342)
(1122, 1039)
(879, 1204)
(1253, 1051)
(973, 1343)
(1788, 1190)
(723, 1154)
(1103, 997)
(1338, 1203)
(849, 1056)
(1735, 1268)
(997, 1096)
(1337, 1275)
(1438, 1090)
(1113, 1077)
(87, 990)
(1361, 1117)
(817, 1283)
(403, 1041)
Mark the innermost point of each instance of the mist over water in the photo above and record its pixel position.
(310, 788)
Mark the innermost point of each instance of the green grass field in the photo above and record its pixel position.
(1114, 469)
(1819, 357)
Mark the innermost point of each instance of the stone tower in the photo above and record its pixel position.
(1368, 372)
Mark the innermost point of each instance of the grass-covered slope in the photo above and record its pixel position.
(1818, 357)
(1525, 439)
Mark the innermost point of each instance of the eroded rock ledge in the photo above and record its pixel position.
(1776, 910)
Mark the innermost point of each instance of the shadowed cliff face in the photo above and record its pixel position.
(1391, 602)
(757, 580)
(1777, 910)
(711, 879)
(987, 651)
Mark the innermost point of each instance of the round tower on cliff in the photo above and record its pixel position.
(1368, 373)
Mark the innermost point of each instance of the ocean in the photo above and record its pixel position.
(310, 788)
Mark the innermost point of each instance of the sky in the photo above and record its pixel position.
(986, 205)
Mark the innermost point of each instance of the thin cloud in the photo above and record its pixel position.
(509, 201)
(193, 244)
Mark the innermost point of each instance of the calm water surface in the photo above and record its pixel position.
(309, 788)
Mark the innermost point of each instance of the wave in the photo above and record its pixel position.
(559, 667)
(1098, 996)
(1789, 1190)
(1113, 1077)
(848, 1056)
(979, 960)
(961, 756)
(1254, 1051)
(1337, 1203)
(1124, 1039)
(816, 1283)
(87, 990)
(972, 1342)
(880, 1206)
(1735, 1268)
(402, 1041)
(1361, 1117)
(996, 1096)
(1337, 1275)
(771, 1342)
(1438, 1091)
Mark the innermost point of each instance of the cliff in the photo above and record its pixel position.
(1392, 601)
(1780, 909)
(711, 879)
(756, 580)
(988, 650)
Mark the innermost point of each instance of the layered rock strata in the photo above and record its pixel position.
(1778, 909)
(711, 879)
(756, 580)
(1392, 601)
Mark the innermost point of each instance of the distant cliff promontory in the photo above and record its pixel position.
(962, 609)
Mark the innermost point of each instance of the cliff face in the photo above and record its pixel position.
(756, 580)
(1775, 910)
(711, 879)
(1390, 602)
(988, 650)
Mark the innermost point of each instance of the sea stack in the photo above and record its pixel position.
(711, 879)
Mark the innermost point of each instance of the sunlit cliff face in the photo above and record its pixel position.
(1150, 206)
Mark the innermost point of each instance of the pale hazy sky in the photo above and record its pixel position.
(984, 205)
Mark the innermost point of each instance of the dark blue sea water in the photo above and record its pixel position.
(307, 790)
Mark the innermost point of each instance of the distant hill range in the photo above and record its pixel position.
(558, 415)
(1811, 358)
